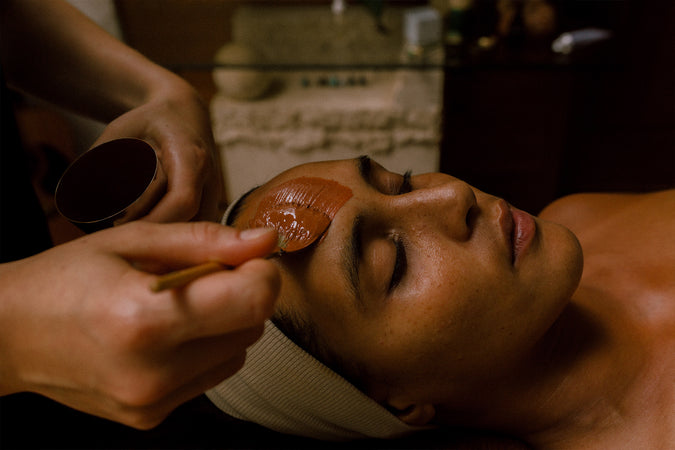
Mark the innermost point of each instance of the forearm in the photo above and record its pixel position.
(12, 343)
(89, 70)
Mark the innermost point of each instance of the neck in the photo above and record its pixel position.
(594, 359)
(573, 382)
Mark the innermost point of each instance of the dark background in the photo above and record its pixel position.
(530, 126)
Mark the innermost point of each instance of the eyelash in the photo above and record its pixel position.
(400, 263)
(405, 186)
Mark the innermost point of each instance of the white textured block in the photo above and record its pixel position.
(422, 26)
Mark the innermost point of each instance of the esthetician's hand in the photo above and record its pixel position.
(94, 74)
(79, 323)
(176, 123)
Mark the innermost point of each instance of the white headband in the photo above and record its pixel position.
(284, 388)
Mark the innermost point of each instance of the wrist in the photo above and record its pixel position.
(182, 98)
(147, 83)
(10, 373)
(173, 88)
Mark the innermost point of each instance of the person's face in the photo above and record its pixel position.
(426, 286)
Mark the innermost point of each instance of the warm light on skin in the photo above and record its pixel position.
(461, 317)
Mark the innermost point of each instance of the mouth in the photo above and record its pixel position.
(518, 228)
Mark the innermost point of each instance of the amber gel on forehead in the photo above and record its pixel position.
(301, 210)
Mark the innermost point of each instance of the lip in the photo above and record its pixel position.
(506, 225)
(524, 229)
(518, 229)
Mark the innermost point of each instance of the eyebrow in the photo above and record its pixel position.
(351, 261)
(352, 252)
(363, 165)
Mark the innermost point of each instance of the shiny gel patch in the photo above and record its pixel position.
(301, 210)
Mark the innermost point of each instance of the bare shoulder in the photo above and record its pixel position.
(585, 210)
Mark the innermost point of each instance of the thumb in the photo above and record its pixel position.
(177, 245)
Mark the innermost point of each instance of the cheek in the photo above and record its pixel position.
(428, 319)
(456, 282)
(555, 275)
(462, 315)
(463, 311)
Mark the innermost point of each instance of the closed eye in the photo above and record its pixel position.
(400, 264)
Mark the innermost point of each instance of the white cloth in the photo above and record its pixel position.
(284, 388)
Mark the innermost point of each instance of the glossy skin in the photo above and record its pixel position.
(463, 314)
(618, 390)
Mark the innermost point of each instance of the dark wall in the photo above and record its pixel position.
(531, 126)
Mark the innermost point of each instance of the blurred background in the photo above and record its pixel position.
(526, 99)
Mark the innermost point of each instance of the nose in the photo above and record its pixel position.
(440, 203)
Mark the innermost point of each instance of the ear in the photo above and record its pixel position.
(416, 414)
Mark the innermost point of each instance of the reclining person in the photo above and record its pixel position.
(423, 302)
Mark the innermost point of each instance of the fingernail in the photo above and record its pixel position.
(253, 233)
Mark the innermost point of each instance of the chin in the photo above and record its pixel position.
(575, 257)
(567, 262)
